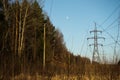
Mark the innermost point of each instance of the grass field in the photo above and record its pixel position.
(65, 77)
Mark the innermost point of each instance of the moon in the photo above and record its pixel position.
(67, 17)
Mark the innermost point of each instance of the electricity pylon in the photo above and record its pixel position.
(95, 55)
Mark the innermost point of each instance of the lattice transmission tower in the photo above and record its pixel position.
(95, 55)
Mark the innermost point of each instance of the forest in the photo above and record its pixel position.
(24, 28)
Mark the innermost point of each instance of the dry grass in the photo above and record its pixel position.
(63, 77)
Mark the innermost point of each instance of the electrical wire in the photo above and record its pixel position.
(118, 32)
(105, 30)
(51, 7)
(110, 44)
(111, 14)
(82, 45)
(116, 41)
(110, 24)
(112, 37)
(115, 50)
(87, 49)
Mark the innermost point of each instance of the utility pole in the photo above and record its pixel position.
(95, 54)
(44, 50)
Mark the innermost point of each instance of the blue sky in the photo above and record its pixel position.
(75, 18)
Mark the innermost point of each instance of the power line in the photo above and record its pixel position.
(51, 8)
(112, 37)
(105, 30)
(110, 44)
(111, 14)
(116, 42)
(86, 50)
(81, 50)
(82, 45)
(110, 24)
(118, 29)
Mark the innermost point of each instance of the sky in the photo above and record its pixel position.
(75, 18)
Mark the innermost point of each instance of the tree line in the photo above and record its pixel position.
(22, 25)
